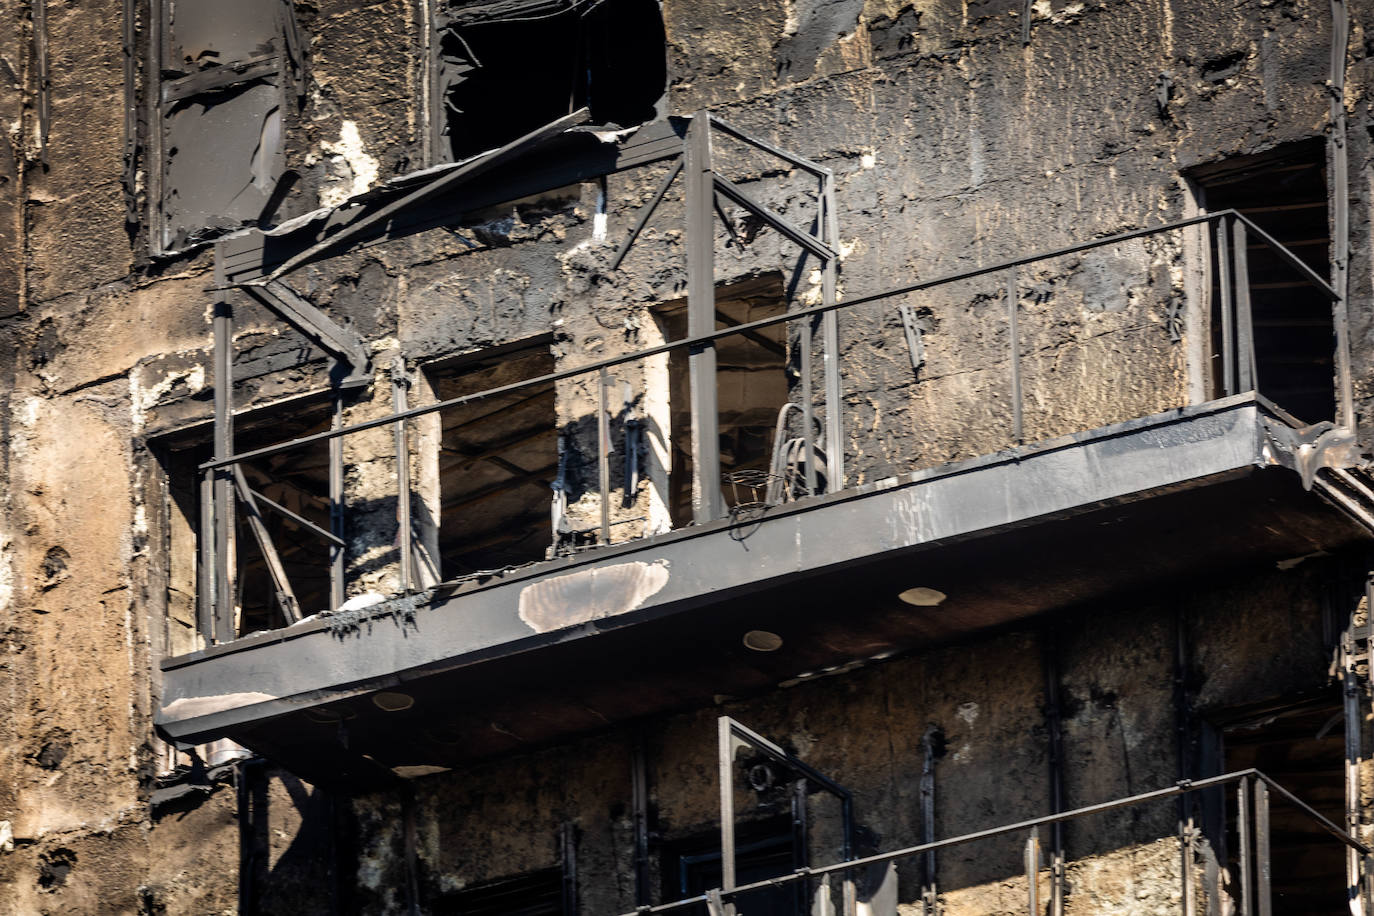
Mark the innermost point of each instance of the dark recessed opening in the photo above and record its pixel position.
(297, 480)
(1285, 193)
(498, 458)
(539, 893)
(751, 388)
(1302, 746)
(506, 68)
(763, 849)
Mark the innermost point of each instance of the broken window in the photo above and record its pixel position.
(1284, 193)
(499, 458)
(223, 69)
(291, 492)
(751, 389)
(503, 68)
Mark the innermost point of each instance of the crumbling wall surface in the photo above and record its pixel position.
(981, 708)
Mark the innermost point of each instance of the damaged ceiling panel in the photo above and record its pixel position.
(209, 33)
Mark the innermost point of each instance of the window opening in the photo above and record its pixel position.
(498, 460)
(752, 386)
(297, 481)
(506, 67)
(1285, 194)
(1302, 747)
(222, 69)
(763, 849)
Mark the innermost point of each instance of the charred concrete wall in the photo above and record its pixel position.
(955, 144)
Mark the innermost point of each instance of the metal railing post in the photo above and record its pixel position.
(701, 319)
(1245, 333)
(603, 455)
(1228, 371)
(726, 769)
(222, 503)
(337, 553)
(1032, 859)
(829, 226)
(1014, 342)
(400, 384)
(1263, 895)
(1243, 839)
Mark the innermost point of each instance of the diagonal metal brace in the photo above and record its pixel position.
(286, 598)
(645, 212)
(315, 325)
(804, 239)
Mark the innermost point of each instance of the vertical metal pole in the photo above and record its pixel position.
(603, 455)
(567, 847)
(1014, 342)
(1245, 334)
(1054, 726)
(1183, 732)
(1339, 156)
(1033, 873)
(808, 405)
(801, 841)
(830, 330)
(639, 776)
(1228, 371)
(223, 503)
(1263, 895)
(400, 382)
(1243, 837)
(701, 319)
(205, 573)
(726, 769)
(929, 896)
(336, 499)
(851, 897)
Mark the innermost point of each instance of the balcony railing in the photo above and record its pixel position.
(817, 444)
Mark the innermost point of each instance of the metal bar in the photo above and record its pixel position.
(400, 384)
(806, 343)
(44, 87)
(205, 572)
(567, 848)
(1339, 155)
(1228, 359)
(645, 212)
(1263, 895)
(929, 894)
(728, 223)
(1245, 333)
(1325, 824)
(848, 891)
(819, 171)
(337, 555)
(792, 233)
(759, 742)
(801, 838)
(697, 340)
(312, 323)
(639, 789)
(810, 872)
(1182, 732)
(1054, 728)
(286, 597)
(701, 319)
(726, 768)
(444, 182)
(603, 455)
(1297, 263)
(830, 332)
(1014, 342)
(1032, 860)
(223, 501)
(299, 519)
(915, 347)
(1243, 840)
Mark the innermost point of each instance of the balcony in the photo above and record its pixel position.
(799, 545)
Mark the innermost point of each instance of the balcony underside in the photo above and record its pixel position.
(572, 646)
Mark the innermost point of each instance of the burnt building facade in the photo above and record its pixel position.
(612, 456)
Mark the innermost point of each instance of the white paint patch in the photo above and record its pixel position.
(192, 707)
(6, 837)
(356, 170)
(868, 160)
(142, 399)
(591, 594)
(968, 712)
(6, 571)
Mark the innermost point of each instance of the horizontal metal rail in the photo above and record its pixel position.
(760, 323)
(1183, 787)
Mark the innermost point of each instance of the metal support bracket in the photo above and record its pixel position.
(316, 326)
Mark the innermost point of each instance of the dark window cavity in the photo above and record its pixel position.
(763, 850)
(539, 893)
(1284, 192)
(506, 67)
(498, 461)
(752, 386)
(223, 70)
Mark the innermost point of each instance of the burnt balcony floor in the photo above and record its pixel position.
(511, 663)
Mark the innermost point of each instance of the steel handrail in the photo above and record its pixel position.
(688, 342)
(1182, 787)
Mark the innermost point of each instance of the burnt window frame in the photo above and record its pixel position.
(282, 67)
